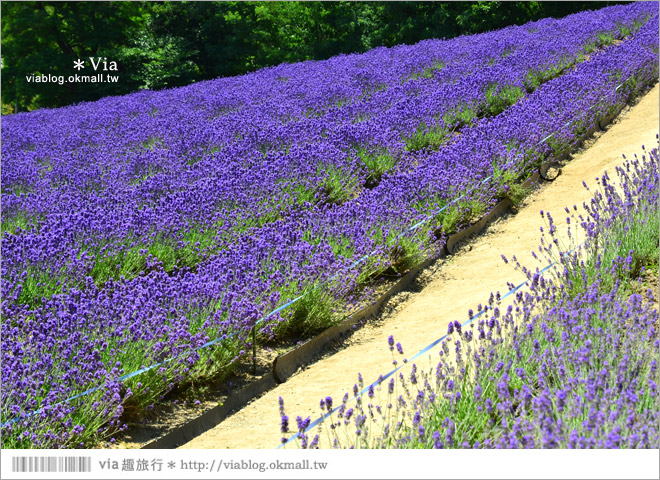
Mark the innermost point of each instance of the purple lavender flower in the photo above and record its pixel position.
(285, 424)
(437, 440)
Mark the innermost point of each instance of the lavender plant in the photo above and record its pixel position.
(138, 229)
(559, 367)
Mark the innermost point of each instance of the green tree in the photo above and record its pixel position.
(46, 38)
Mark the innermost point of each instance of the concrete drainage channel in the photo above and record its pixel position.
(287, 364)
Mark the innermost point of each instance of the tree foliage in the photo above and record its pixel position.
(45, 38)
(165, 44)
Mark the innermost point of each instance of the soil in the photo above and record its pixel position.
(648, 287)
(441, 293)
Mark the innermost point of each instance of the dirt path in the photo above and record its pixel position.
(461, 283)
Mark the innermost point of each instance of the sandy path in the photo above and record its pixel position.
(463, 281)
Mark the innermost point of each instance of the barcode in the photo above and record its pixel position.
(51, 464)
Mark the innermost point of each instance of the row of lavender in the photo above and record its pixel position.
(152, 171)
(72, 340)
(572, 363)
(56, 251)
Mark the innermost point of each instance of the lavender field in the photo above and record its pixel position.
(570, 363)
(138, 229)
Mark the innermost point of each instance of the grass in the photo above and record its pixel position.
(559, 145)
(151, 143)
(216, 363)
(312, 112)
(472, 424)
(369, 90)
(427, 138)
(342, 247)
(296, 193)
(406, 254)
(313, 313)
(517, 193)
(499, 98)
(127, 260)
(433, 137)
(509, 185)
(194, 159)
(45, 167)
(460, 212)
(139, 394)
(377, 163)
(148, 172)
(186, 249)
(183, 250)
(17, 189)
(224, 111)
(635, 238)
(274, 146)
(212, 364)
(536, 78)
(396, 255)
(338, 186)
(361, 117)
(20, 221)
(427, 72)
(39, 284)
(460, 116)
(602, 40)
(173, 254)
(403, 252)
(623, 30)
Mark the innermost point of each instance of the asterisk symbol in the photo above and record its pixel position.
(171, 464)
(79, 64)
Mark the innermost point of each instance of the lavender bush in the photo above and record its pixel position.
(572, 363)
(136, 229)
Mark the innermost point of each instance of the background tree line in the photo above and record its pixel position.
(166, 44)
